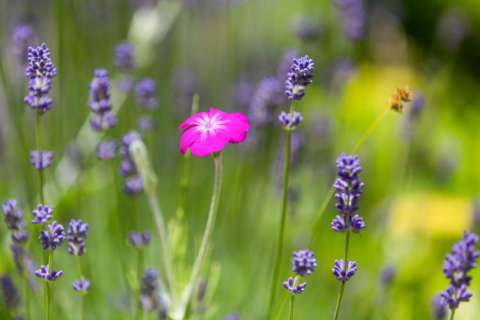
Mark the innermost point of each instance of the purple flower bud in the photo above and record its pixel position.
(107, 150)
(304, 262)
(81, 285)
(357, 223)
(53, 236)
(43, 273)
(124, 56)
(145, 124)
(41, 162)
(133, 185)
(149, 290)
(146, 94)
(103, 122)
(299, 76)
(13, 216)
(344, 274)
(23, 37)
(42, 214)
(10, 293)
(294, 288)
(139, 240)
(290, 121)
(439, 309)
(338, 224)
(76, 236)
(99, 100)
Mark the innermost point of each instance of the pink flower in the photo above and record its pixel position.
(206, 133)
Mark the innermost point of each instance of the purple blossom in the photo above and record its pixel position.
(133, 181)
(304, 262)
(53, 236)
(456, 267)
(82, 285)
(125, 56)
(146, 92)
(41, 162)
(299, 76)
(344, 273)
(145, 124)
(77, 233)
(13, 217)
(40, 71)
(42, 214)
(388, 275)
(99, 102)
(149, 290)
(133, 185)
(266, 98)
(439, 309)
(294, 288)
(139, 239)
(290, 121)
(43, 273)
(354, 18)
(107, 150)
(23, 38)
(10, 293)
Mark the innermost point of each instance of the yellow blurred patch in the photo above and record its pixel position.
(431, 215)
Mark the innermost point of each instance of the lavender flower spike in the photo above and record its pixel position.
(299, 76)
(304, 262)
(344, 274)
(294, 288)
(40, 71)
(41, 160)
(42, 214)
(149, 290)
(461, 260)
(23, 37)
(99, 102)
(146, 94)
(53, 236)
(44, 273)
(81, 285)
(76, 236)
(13, 218)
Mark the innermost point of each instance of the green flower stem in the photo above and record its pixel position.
(83, 297)
(283, 216)
(342, 284)
(26, 293)
(452, 314)
(38, 137)
(49, 286)
(202, 252)
(140, 267)
(292, 304)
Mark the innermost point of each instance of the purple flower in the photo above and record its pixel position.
(99, 102)
(23, 38)
(133, 185)
(232, 316)
(145, 124)
(439, 309)
(76, 236)
(107, 150)
(348, 189)
(387, 275)
(13, 218)
(299, 76)
(294, 288)
(461, 260)
(286, 61)
(42, 214)
(354, 18)
(290, 121)
(81, 285)
(266, 98)
(44, 273)
(304, 262)
(125, 56)
(344, 273)
(10, 293)
(139, 239)
(41, 162)
(149, 290)
(133, 182)
(40, 71)
(146, 94)
(53, 236)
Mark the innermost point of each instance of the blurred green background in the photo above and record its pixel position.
(421, 169)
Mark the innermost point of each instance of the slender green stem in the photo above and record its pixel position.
(452, 314)
(162, 232)
(342, 284)
(49, 287)
(140, 267)
(283, 216)
(292, 304)
(26, 292)
(38, 137)
(202, 252)
(83, 297)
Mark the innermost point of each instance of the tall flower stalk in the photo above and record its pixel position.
(299, 76)
(348, 189)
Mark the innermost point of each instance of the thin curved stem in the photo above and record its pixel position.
(49, 287)
(212, 213)
(342, 284)
(140, 266)
(452, 314)
(283, 216)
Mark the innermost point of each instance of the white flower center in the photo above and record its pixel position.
(209, 125)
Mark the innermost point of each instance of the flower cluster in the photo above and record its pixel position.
(133, 181)
(99, 102)
(44, 273)
(23, 38)
(13, 217)
(304, 264)
(348, 189)
(125, 61)
(400, 97)
(77, 232)
(149, 290)
(81, 285)
(290, 121)
(461, 260)
(40, 71)
(41, 159)
(299, 76)
(354, 18)
(139, 239)
(146, 93)
(42, 214)
(53, 236)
